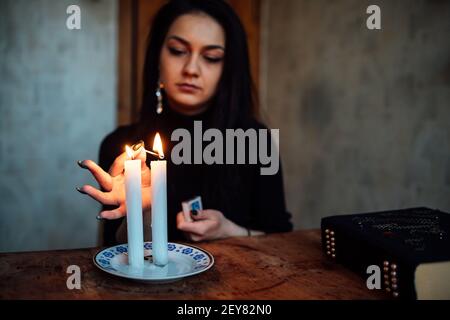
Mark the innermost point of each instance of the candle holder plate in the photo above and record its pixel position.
(184, 261)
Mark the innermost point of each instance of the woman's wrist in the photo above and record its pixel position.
(234, 230)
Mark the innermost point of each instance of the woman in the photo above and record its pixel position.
(196, 69)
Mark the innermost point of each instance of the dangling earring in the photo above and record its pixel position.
(159, 106)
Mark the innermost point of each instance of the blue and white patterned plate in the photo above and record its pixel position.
(184, 261)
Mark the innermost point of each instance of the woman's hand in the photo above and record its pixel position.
(113, 184)
(209, 225)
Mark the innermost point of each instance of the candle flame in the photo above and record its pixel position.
(129, 152)
(157, 145)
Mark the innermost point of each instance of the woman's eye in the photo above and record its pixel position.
(213, 59)
(176, 52)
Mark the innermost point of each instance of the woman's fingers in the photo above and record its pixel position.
(201, 215)
(113, 214)
(194, 237)
(195, 231)
(182, 224)
(103, 178)
(118, 165)
(199, 228)
(100, 196)
(180, 218)
(141, 155)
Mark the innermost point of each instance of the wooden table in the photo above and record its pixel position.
(278, 266)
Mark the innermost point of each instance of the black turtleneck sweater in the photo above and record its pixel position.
(243, 195)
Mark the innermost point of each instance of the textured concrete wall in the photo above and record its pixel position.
(57, 101)
(364, 115)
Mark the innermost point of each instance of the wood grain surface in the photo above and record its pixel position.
(278, 266)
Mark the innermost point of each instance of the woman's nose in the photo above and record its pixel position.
(191, 67)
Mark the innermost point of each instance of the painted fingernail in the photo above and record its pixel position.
(194, 212)
(80, 191)
(136, 146)
(81, 164)
(99, 218)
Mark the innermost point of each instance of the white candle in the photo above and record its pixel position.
(159, 207)
(134, 211)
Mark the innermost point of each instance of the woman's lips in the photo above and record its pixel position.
(188, 88)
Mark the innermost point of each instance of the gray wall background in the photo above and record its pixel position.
(57, 101)
(364, 116)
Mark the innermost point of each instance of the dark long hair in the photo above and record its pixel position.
(235, 98)
(234, 102)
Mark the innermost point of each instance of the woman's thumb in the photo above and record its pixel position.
(142, 156)
(139, 153)
(198, 214)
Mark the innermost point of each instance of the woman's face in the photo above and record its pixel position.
(191, 62)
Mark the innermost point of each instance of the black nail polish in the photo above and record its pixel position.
(149, 258)
(99, 218)
(81, 164)
(80, 191)
(136, 146)
(194, 212)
